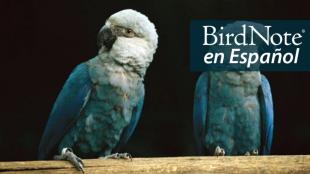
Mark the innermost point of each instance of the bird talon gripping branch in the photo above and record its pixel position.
(219, 151)
(68, 155)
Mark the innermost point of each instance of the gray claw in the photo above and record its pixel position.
(68, 155)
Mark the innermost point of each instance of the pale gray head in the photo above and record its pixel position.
(129, 38)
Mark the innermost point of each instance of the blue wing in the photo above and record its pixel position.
(266, 106)
(200, 111)
(66, 109)
(127, 132)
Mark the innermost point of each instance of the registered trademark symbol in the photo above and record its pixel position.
(303, 30)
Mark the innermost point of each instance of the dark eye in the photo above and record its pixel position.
(129, 32)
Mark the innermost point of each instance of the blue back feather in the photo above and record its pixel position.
(200, 111)
(266, 106)
(66, 109)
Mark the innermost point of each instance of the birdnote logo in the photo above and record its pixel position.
(249, 45)
(250, 32)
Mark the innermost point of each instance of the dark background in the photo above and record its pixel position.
(42, 41)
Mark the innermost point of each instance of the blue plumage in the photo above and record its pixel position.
(200, 111)
(236, 130)
(128, 131)
(66, 109)
(91, 115)
(267, 115)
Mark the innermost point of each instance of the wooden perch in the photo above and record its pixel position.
(240, 164)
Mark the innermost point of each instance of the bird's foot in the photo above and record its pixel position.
(68, 155)
(219, 151)
(254, 153)
(118, 156)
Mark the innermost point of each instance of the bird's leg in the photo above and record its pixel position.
(219, 151)
(118, 156)
(68, 155)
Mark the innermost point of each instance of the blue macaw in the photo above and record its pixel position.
(100, 104)
(233, 110)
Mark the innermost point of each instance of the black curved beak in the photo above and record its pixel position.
(106, 38)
